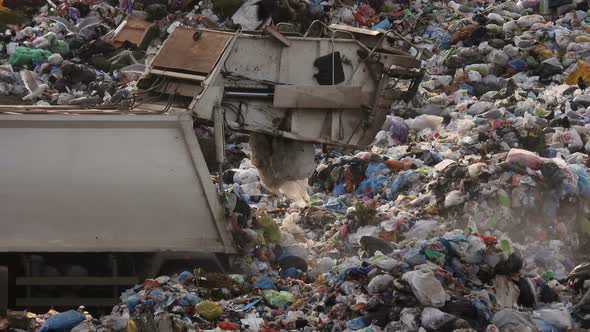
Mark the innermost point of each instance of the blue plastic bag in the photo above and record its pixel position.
(517, 64)
(316, 8)
(439, 36)
(132, 302)
(545, 327)
(339, 189)
(335, 204)
(399, 129)
(186, 278)
(414, 257)
(356, 324)
(401, 182)
(188, 300)
(290, 273)
(264, 283)
(383, 25)
(375, 169)
(158, 296)
(372, 185)
(62, 322)
(583, 180)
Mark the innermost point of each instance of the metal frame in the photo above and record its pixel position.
(3, 289)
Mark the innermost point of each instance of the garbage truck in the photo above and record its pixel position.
(92, 200)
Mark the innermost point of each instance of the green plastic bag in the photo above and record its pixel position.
(269, 229)
(208, 309)
(26, 56)
(60, 47)
(506, 248)
(277, 299)
(548, 276)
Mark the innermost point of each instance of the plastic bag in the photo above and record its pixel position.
(421, 230)
(425, 121)
(506, 291)
(264, 283)
(208, 310)
(132, 302)
(525, 158)
(516, 321)
(23, 56)
(244, 176)
(403, 180)
(560, 318)
(471, 251)
(414, 257)
(480, 107)
(373, 185)
(64, 321)
(582, 72)
(356, 324)
(583, 179)
(439, 36)
(296, 192)
(380, 283)
(545, 327)
(426, 288)
(228, 326)
(568, 138)
(114, 322)
(268, 228)
(433, 319)
(186, 278)
(323, 266)
(376, 169)
(386, 263)
(188, 300)
(454, 198)
(528, 20)
(277, 299)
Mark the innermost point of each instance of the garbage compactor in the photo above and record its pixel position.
(332, 91)
(101, 199)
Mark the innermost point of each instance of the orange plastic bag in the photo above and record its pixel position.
(582, 72)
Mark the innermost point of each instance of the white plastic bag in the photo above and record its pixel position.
(380, 283)
(426, 288)
(560, 318)
(421, 230)
(433, 319)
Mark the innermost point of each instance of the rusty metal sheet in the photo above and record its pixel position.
(134, 31)
(186, 51)
(329, 96)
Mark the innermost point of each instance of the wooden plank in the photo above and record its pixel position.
(134, 31)
(342, 27)
(185, 50)
(76, 281)
(177, 75)
(327, 96)
(277, 35)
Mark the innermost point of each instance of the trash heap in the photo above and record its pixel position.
(468, 213)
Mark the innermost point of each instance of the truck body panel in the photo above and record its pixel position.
(106, 183)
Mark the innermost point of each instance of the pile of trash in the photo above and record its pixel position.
(429, 279)
(468, 213)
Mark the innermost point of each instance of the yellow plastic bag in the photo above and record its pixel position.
(208, 309)
(582, 72)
